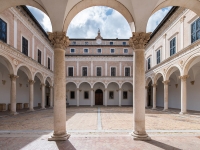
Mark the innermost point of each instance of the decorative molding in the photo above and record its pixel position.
(166, 82)
(184, 77)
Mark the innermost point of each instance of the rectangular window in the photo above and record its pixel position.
(70, 72)
(158, 56)
(85, 50)
(74, 43)
(49, 63)
(98, 71)
(86, 43)
(72, 50)
(149, 63)
(3, 31)
(173, 46)
(127, 72)
(125, 95)
(24, 46)
(124, 43)
(111, 95)
(195, 31)
(125, 51)
(111, 43)
(86, 95)
(99, 50)
(84, 71)
(39, 56)
(112, 51)
(72, 95)
(113, 71)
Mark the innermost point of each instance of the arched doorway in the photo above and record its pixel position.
(99, 97)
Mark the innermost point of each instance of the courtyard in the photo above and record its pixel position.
(94, 128)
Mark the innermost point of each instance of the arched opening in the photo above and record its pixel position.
(127, 94)
(113, 94)
(47, 94)
(99, 97)
(149, 93)
(37, 92)
(85, 94)
(159, 90)
(71, 94)
(99, 86)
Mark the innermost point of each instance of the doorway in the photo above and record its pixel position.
(99, 97)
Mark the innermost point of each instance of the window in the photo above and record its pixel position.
(72, 50)
(127, 72)
(3, 31)
(86, 43)
(125, 95)
(113, 71)
(124, 43)
(85, 50)
(74, 43)
(158, 56)
(84, 71)
(86, 95)
(111, 43)
(98, 71)
(111, 95)
(49, 63)
(99, 50)
(112, 50)
(195, 31)
(70, 72)
(24, 46)
(39, 56)
(72, 95)
(125, 51)
(149, 63)
(173, 46)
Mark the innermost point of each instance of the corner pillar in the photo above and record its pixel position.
(138, 42)
(60, 42)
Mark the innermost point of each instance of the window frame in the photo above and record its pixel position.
(124, 42)
(84, 50)
(6, 32)
(125, 71)
(97, 72)
(194, 22)
(71, 95)
(8, 28)
(71, 50)
(157, 56)
(48, 64)
(113, 52)
(123, 95)
(68, 71)
(148, 66)
(111, 71)
(124, 51)
(99, 49)
(88, 95)
(22, 36)
(111, 42)
(109, 95)
(175, 46)
(82, 71)
(38, 50)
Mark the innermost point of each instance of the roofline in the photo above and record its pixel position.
(165, 19)
(34, 19)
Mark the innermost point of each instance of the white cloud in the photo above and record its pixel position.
(156, 18)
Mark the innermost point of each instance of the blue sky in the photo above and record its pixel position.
(86, 23)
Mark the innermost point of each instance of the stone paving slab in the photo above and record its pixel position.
(101, 142)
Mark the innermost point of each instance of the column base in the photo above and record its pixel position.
(59, 137)
(140, 137)
(153, 108)
(30, 110)
(182, 113)
(14, 113)
(165, 110)
(43, 108)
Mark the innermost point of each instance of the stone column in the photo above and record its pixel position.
(166, 95)
(13, 95)
(92, 97)
(60, 42)
(77, 95)
(154, 96)
(183, 94)
(146, 94)
(120, 97)
(31, 94)
(138, 42)
(106, 97)
(51, 96)
(43, 95)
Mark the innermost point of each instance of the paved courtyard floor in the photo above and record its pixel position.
(100, 128)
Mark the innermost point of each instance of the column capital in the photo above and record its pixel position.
(59, 40)
(184, 77)
(31, 81)
(42, 84)
(166, 82)
(154, 85)
(12, 76)
(92, 89)
(139, 40)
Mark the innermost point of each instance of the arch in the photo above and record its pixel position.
(49, 80)
(125, 83)
(71, 82)
(98, 82)
(171, 70)
(11, 3)
(82, 83)
(89, 3)
(26, 70)
(148, 80)
(39, 75)
(157, 76)
(112, 82)
(192, 60)
(7, 63)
